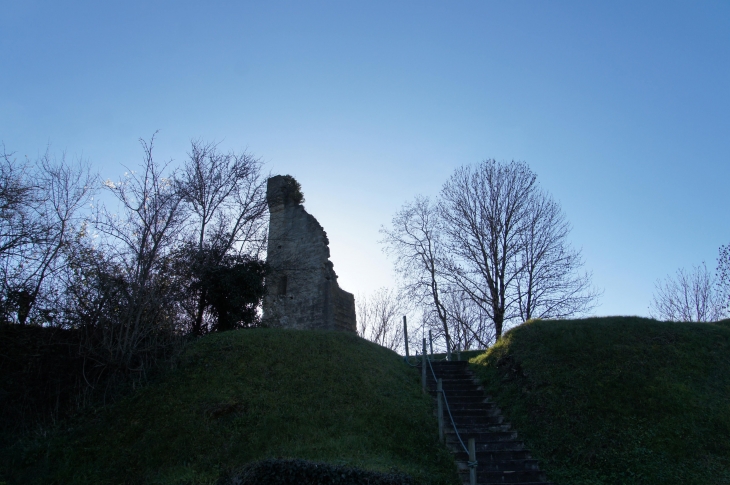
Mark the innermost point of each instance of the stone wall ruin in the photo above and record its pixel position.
(302, 285)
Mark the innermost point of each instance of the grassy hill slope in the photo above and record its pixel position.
(242, 396)
(619, 400)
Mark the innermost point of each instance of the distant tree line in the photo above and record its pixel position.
(167, 254)
(489, 252)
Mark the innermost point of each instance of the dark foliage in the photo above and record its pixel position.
(302, 472)
(234, 288)
(227, 288)
(41, 376)
(108, 294)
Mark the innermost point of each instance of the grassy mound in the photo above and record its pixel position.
(248, 395)
(617, 400)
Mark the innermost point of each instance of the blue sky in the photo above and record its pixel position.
(621, 108)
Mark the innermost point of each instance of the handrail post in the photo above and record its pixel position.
(405, 334)
(423, 366)
(430, 342)
(440, 401)
(472, 465)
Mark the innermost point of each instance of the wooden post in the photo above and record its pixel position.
(440, 407)
(472, 458)
(430, 342)
(423, 366)
(405, 334)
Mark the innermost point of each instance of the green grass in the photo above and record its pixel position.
(242, 396)
(617, 400)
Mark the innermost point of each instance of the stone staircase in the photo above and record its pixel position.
(501, 457)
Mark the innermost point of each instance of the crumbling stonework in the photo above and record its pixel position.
(302, 285)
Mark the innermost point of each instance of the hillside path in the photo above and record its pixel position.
(501, 456)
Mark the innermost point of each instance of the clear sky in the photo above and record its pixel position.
(621, 108)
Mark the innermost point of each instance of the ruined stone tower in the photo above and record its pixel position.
(302, 286)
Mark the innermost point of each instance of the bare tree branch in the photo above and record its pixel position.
(687, 297)
(226, 196)
(378, 318)
(414, 241)
(492, 251)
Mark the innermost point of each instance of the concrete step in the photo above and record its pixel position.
(501, 456)
(431, 383)
(475, 394)
(464, 422)
(468, 409)
(484, 429)
(468, 401)
(498, 455)
(508, 476)
(488, 446)
(508, 465)
(482, 437)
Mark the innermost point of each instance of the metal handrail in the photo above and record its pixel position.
(448, 409)
(472, 464)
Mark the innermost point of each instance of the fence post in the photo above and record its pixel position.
(405, 334)
(472, 459)
(423, 366)
(430, 342)
(440, 401)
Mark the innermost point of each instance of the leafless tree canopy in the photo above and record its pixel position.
(138, 236)
(160, 259)
(723, 279)
(493, 250)
(378, 318)
(414, 240)
(550, 284)
(225, 194)
(42, 207)
(688, 296)
(484, 210)
(166, 255)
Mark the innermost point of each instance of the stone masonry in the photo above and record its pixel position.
(302, 285)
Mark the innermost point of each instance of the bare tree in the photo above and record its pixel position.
(508, 248)
(471, 326)
(138, 243)
(68, 189)
(493, 250)
(485, 215)
(42, 210)
(723, 278)
(378, 318)
(226, 195)
(550, 284)
(414, 241)
(20, 230)
(18, 194)
(687, 297)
